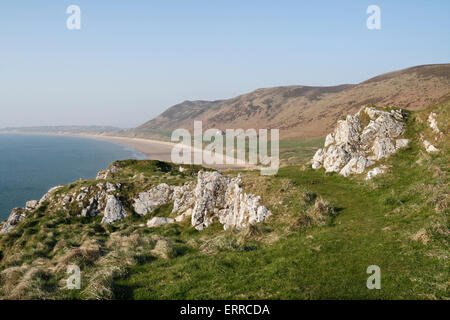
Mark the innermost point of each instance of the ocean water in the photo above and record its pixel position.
(32, 164)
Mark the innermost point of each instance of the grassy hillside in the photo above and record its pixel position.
(399, 222)
(303, 111)
(324, 232)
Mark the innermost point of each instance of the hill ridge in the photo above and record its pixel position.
(305, 111)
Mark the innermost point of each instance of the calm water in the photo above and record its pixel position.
(32, 164)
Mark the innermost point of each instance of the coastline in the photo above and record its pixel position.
(152, 149)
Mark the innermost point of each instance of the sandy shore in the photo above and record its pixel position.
(161, 150)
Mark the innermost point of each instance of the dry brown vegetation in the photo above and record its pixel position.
(306, 112)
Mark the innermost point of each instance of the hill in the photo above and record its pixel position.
(303, 111)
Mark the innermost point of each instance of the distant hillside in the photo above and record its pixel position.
(303, 111)
(63, 129)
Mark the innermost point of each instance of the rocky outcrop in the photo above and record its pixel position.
(214, 198)
(158, 221)
(429, 147)
(49, 194)
(105, 174)
(432, 122)
(355, 145)
(221, 198)
(148, 201)
(16, 216)
(114, 210)
(375, 171)
(31, 205)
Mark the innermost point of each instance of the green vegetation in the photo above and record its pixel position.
(325, 230)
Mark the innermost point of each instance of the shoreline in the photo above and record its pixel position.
(152, 149)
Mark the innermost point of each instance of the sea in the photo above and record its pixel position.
(31, 164)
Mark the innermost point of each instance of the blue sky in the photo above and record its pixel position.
(133, 59)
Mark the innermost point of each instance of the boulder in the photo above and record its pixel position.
(429, 147)
(92, 208)
(375, 171)
(148, 201)
(433, 123)
(49, 193)
(15, 217)
(356, 165)
(159, 221)
(31, 205)
(317, 160)
(329, 139)
(335, 158)
(401, 143)
(382, 148)
(183, 198)
(114, 210)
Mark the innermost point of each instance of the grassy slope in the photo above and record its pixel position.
(375, 225)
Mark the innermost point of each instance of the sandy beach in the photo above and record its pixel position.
(161, 150)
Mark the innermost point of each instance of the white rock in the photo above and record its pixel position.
(373, 113)
(183, 197)
(355, 165)
(382, 148)
(429, 147)
(222, 198)
(401, 143)
(433, 123)
(335, 158)
(114, 210)
(92, 209)
(81, 196)
(317, 160)
(149, 201)
(329, 139)
(49, 194)
(347, 131)
(110, 187)
(347, 150)
(183, 216)
(101, 175)
(375, 171)
(15, 217)
(158, 221)
(31, 205)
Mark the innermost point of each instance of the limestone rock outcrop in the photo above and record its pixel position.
(355, 145)
(16, 216)
(429, 147)
(105, 174)
(159, 221)
(222, 198)
(148, 201)
(432, 122)
(375, 171)
(214, 198)
(114, 210)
